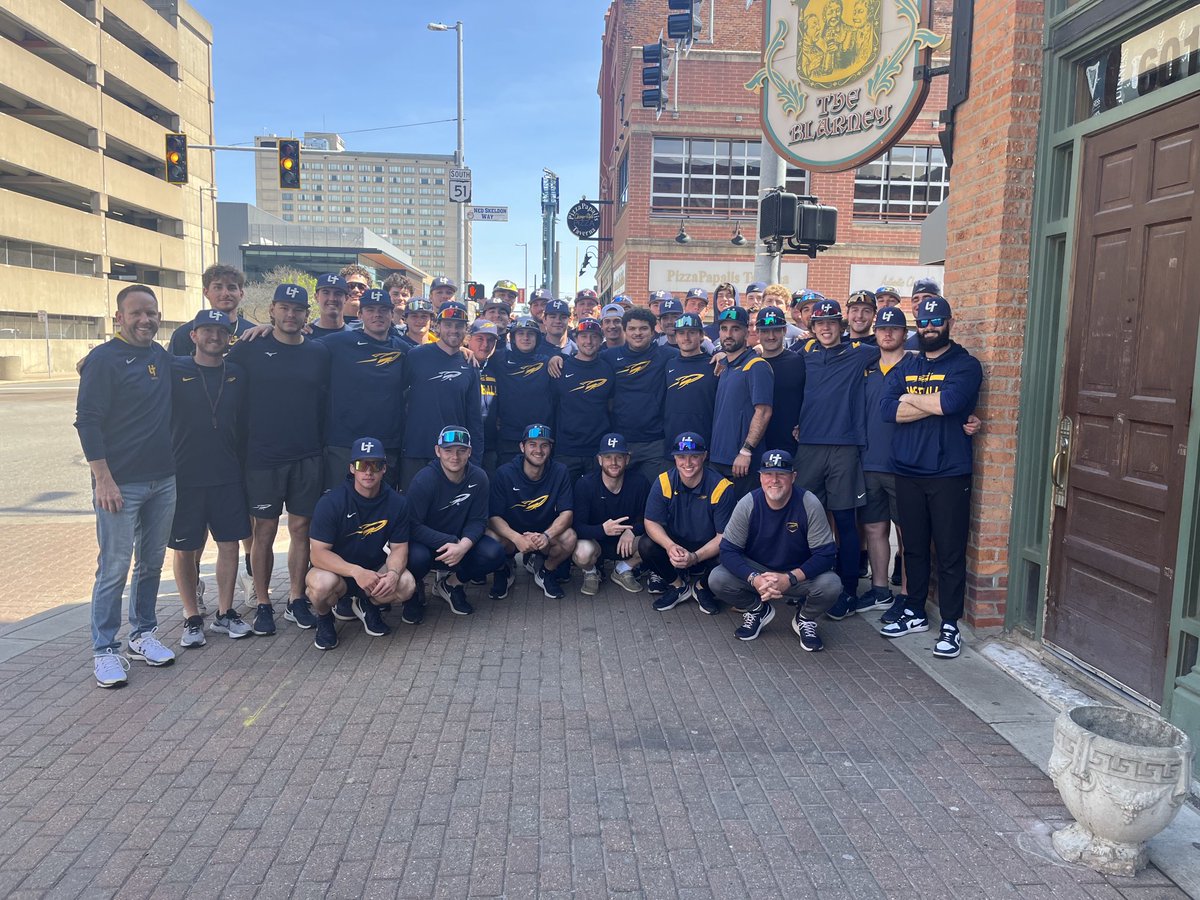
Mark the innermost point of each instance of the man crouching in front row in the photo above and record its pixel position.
(351, 526)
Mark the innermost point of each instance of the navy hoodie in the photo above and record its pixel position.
(834, 408)
(641, 377)
(530, 505)
(523, 393)
(935, 446)
(443, 511)
(443, 389)
(366, 389)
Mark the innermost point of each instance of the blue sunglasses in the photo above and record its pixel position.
(936, 323)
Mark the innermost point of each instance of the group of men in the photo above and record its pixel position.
(729, 456)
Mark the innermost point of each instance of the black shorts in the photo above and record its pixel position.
(833, 472)
(220, 509)
(296, 485)
(881, 498)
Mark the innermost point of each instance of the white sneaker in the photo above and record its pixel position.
(193, 633)
(149, 648)
(110, 670)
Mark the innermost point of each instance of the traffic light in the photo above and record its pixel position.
(289, 164)
(176, 158)
(684, 23)
(654, 75)
(477, 291)
(777, 216)
(791, 224)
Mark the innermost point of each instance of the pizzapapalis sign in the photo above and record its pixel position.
(838, 86)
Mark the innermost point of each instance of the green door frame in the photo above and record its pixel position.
(1052, 248)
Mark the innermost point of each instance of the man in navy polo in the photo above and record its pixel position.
(331, 301)
(745, 392)
(930, 396)
(359, 537)
(778, 547)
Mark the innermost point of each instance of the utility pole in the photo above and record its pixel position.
(771, 171)
(549, 217)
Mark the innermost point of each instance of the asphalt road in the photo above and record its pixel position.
(44, 473)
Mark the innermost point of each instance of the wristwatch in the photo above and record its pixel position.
(750, 578)
(792, 579)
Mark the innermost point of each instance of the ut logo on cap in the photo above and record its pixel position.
(292, 291)
(214, 314)
(930, 306)
(826, 307)
(366, 446)
(328, 279)
(887, 315)
(612, 442)
(774, 459)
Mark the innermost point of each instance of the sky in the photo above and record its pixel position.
(530, 75)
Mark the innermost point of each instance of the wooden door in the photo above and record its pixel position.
(1130, 357)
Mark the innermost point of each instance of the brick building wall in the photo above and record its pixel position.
(987, 267)
(713, 103)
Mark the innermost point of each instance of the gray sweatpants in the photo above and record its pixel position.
(813, 597)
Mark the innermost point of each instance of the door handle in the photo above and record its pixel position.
(1061, 462)
(1056, 467)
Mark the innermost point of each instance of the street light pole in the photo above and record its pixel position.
(460, 152)
(525, 283)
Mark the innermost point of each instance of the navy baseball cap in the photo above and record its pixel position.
(483, 326)
(776, 461)
(670, 307)
(738, 314)
(826, 309)
(688, 443)
(613, 443)
(443, 281)
(613, 311)
(333, 282)
(697, 294)
(452, 311)
(419, 305)
(367, 448)
(891, 317)
(541, 295)
(557, 307)
(770, 317)
(454, 436)
(689, 320)
(926, 286)
(756, 287)
(660, 296)
(208, 318)
(935, 307)
(376, 297)
(528, 322)
(587, 325)
(290, 293)
(537, 432)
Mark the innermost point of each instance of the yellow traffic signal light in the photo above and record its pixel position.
(289, 164)
(176, 158)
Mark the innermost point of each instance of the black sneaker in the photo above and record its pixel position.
(753, 622)
(548, 582)
(655, 584)
(456, 596)
(326, 636)
(806, 630)
(500, 579)
(300, 612)
(896, 571)
(532, 562)
(413, 610)
(264, 620)
(672, 597)
(709, 604)
(842, 608)
(344, 610)
(949, 642)
(371, 617)
(895, 611)
(875, 598)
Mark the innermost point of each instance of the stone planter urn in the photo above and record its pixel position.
(1123, 775)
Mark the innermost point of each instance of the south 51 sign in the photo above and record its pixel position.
(838, 86)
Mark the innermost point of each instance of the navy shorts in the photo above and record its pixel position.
(219, 509)
(298, 485)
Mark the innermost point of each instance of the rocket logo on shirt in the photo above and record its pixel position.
(382, 358)
(445, 376)
(369, 528)
(457, 501)
(684, 380)
(531, 505)
(588, 386)
(635, 368)
(526, 371)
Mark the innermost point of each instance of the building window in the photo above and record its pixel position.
(903, 185)
(623, 183)
(704, 177)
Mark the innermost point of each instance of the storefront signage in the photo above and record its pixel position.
(681, 275)
(838, 86)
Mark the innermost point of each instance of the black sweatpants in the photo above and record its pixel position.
(656, 558)
(936, 510)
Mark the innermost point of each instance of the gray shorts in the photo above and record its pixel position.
(833, 472)
(881, 498)
(298, 485)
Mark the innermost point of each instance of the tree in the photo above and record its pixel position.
(256, 300)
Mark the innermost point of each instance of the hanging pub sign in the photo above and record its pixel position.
(838, 85)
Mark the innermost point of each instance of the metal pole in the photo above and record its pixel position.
(770, 175)
(201, 187)
(525, 283)
(460, 160)
(47, 324)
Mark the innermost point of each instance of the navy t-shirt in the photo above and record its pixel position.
(582, 394)
(181, 338)
(637, 410)
(785, 408)
(595, 504)
(287, 385)
(747, 381)
(691, 393)
(691, 516)
(366, 389)
(358, 528)
(523, 393)
(208, 443)
(528, 505)
(443, 389)
(319, 332)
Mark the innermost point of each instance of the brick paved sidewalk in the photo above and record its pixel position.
(585, 748)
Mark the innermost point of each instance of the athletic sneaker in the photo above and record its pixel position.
(412, 612)
(326, 637)
(806, 630)
(709, 604)
(672, 597)
(843, 607)
(193, 632)
(897, 571)
(591, 582)
(370, 616)
(110, 669)
(532, 562)
(200, 605)
(949, 642)
(146, 646)
(500, 579)
(456, 596)
(231, 624)
(300, 612)
(753, 622)
(895, 611)
(548, 582)
(655, 584)
(264, 620)
(626, 580)
(910, 623)
(875, 598)
(343, 610)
